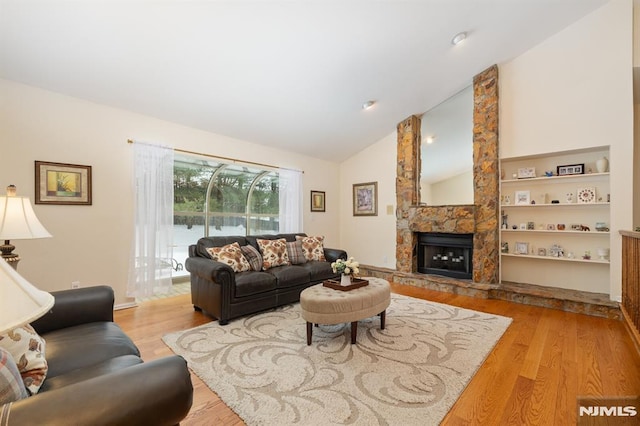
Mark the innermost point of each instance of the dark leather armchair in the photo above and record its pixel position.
(96, 375)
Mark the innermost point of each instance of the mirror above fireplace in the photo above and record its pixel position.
(446, 152)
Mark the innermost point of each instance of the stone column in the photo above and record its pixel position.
(486, 175)
(407, 190)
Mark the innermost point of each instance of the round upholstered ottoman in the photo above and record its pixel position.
(324, 305)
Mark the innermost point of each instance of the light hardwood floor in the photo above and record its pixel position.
(544, 361)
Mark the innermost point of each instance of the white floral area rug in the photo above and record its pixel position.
(410, 373)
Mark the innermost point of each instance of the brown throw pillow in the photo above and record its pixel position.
(231, 254)
(274, 253)
(295, 253)
(312, 247)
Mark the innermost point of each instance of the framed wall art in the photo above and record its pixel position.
(526, 172)
(317, 201)
(521, 248)
(365, 199)
(60, 183)
(523, 197)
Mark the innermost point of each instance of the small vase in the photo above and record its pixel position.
(345, 280)
(602, 165)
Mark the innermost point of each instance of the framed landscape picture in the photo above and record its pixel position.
(317, 201)
(60, 183)
(365, 199)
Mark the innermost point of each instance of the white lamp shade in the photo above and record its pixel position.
(20, 302)
(18, 220)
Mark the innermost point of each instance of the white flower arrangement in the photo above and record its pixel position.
(347, 267)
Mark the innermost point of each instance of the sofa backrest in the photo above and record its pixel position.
(200, 249)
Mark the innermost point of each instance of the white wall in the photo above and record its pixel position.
(371, 239)
(91, 244)
(574, 91)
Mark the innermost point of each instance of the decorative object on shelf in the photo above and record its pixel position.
(602, 165)
(318, 201)
(526, 172)
(556, 251)
(560, 227)
(365, 199)
(570, 255)
(542, 252)
(514, 227)
(523, 197)
(548, 173)
(505, 247)
(586, 255)
(60, 183)
(507, 200)
(571, 169)
(555, 201)
(586, 195)
(603, 253)
(551, 227)
(505, 225)
(347, 269)
(602, 227)
(521, 248)
(569, 197)
(531, 226)
(523, 226)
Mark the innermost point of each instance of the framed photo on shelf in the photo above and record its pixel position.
(60, 183)
(526, 172)
(365, 199)
(571, 169)
(523, 197)
(317, 201)
(521, 248)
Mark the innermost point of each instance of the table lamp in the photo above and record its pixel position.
(18, 221)
(20, 302)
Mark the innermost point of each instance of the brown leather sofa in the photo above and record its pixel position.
(96, 375)
(224, 294)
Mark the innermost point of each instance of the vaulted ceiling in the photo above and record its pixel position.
(288, 74)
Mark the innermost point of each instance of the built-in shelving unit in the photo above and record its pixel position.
(559, 239)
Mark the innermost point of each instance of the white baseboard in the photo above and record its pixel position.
(125, 306)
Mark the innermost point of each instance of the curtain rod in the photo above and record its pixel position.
(235, 160)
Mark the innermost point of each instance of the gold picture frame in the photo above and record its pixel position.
(318, 201)
(61, 183)
(365, 199)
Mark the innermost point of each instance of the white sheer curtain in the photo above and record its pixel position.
(290, 201)
(152, 251)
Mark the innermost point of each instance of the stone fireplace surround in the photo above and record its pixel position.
(481, 219)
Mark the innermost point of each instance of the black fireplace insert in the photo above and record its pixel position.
(450, 255)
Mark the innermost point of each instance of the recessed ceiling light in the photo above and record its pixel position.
(458, 38)
(430, 139)
(368, 104)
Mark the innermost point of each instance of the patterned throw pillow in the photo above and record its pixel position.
(312, 247)
(11, 384)
(230, 255)
(253, 256)
(295, 253)
(274, 253)
(27, 349)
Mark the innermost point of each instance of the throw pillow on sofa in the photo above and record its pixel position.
(295, 253)
(312, 247)
(253, 257)
(28, 350)
(274, 253)
(11, 384)
(231, 254)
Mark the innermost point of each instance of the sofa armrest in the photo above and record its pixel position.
(210, 270)
(334, 254)
(77, 306)
(157, 392)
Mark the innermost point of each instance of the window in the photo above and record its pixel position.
(215, 198)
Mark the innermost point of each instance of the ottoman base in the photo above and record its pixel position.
(354, 328)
